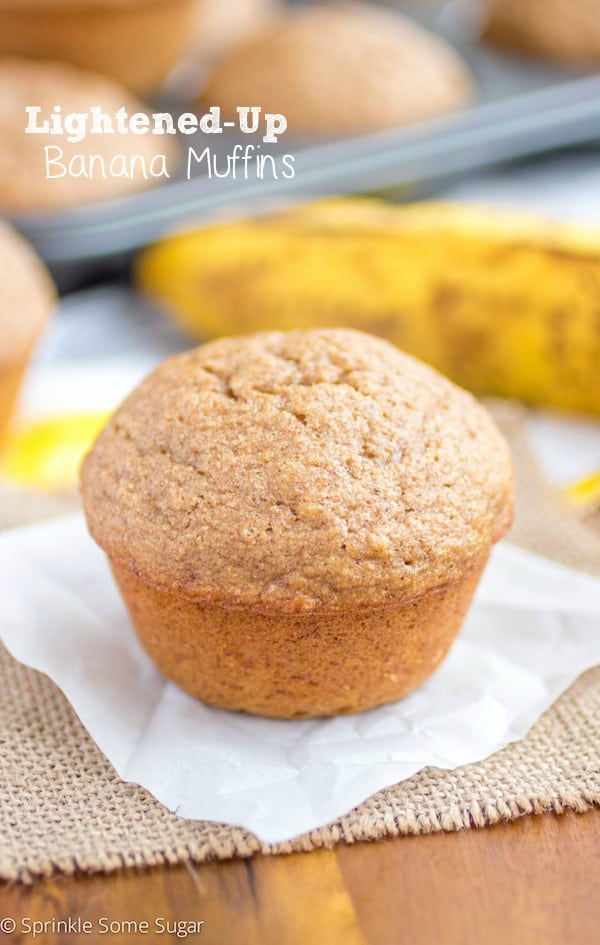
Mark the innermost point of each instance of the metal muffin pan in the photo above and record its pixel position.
(524, 108)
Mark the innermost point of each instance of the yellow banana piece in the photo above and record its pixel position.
(46, 453)
(585, 492)
(502, 303)
(585, 495)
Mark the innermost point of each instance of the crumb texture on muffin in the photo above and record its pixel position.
(300, 471)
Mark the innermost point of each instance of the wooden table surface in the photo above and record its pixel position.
(535, 881)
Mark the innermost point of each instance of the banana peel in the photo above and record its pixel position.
(502, 303)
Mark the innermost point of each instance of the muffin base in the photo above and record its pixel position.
(138, 44)
(11, 377)
(297, 666)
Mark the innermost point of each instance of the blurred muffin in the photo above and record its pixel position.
(23, 182)
(136, 42)
(340, 69)
(218, 26)
(26, 300)
(297, 521)
(565, 30)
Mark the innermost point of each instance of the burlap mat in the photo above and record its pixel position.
(63, 808)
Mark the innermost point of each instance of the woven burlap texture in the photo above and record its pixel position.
(63, 808)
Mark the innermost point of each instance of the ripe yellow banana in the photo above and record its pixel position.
(502, 303)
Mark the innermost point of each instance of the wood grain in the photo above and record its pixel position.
(531, 882)
(534, 881)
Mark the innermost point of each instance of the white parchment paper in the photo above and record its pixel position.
(533, 628)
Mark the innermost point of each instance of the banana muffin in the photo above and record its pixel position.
(563, 30)
(340, 69)
(104, 165)
(27, 297)
(297, 521)
(136, 42)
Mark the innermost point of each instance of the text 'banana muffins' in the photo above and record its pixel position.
(297, 521)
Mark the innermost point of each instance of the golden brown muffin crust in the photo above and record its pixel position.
(292, 472)
(297, 665)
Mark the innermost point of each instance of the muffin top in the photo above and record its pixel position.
(23, 183)
(341, 68)
(26, 295)
(299, 471)
(568, 32)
